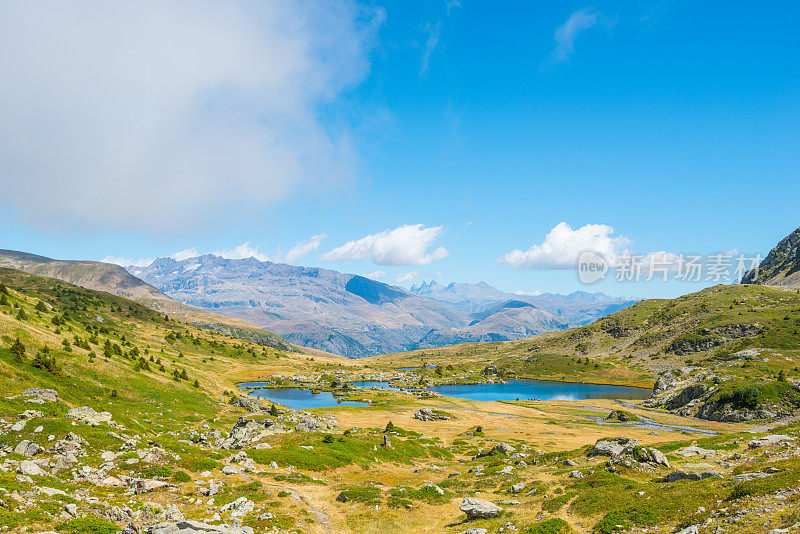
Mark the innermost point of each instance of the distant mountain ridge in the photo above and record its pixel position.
(352, 315)
(781, 267)
(577, 308)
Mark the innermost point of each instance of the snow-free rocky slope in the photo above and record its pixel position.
(351, 315)
(781, 267)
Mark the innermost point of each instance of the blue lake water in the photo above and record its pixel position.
(541, 390)
(304, 399)
(297, 398)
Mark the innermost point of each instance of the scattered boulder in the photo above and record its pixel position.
(87, 415)
(251, 404)
(474, 530)
(31, 468)
(768, 440)
(576, 474)
(42, 395)
(195, 527)
(613, 447)
(27, 448)
(694, 450)
(476, 509)
(516, 488)
(251, 428)
(429, 414)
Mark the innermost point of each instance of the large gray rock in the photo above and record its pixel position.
(31, 468)
(429, 414)
(658, 457)
(664, 382)
(195, 527)
(251, 428)
(27, 448)
(43, 394)
(251, 404)
(613, 447)
(476, 509)
(90, 417)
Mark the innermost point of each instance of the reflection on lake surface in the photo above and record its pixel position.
(297, 398)
(541, 390)
(304, 399)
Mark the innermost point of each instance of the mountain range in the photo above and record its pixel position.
(355, 316)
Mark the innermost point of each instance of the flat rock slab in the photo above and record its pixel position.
(195, 527)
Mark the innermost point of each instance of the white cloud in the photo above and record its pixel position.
(375, 275)
(126, 262)
(302, 249)
(431, 42)
(405, 245)
(185, 254)
(562, 245)
(533, 293)
(154, 113)
(239, 253)
(565, 34)
(406, 277)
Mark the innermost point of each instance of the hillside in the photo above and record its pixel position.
(114, 416)
(114, 279)
(781, 267)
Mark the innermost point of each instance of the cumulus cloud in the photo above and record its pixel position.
(562, 246)
(128, 262)
(160, 113)
(406, 277)
(304, 248)
(565, 34)
(245, 250)
(405, 245)
(377, 275)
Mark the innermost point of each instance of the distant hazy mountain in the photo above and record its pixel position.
(348, 314)
(577, 308)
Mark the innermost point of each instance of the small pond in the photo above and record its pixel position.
(297, 398)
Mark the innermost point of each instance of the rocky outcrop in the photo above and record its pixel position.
(781, 267)
(87, 415)
(429, 414)
(476, 509)
(250, 429)
(629, 453)
(195, 527)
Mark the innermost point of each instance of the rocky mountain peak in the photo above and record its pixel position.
(781, 267)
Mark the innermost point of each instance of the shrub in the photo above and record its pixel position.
(88, 525)
(555, 525)
(626, 519)
(181, 476)
(741, 491)
(746, 397)
(18, 350)
(44, 361)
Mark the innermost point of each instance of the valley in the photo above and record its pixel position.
(118, 417)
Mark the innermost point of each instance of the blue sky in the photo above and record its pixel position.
(421, 139)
